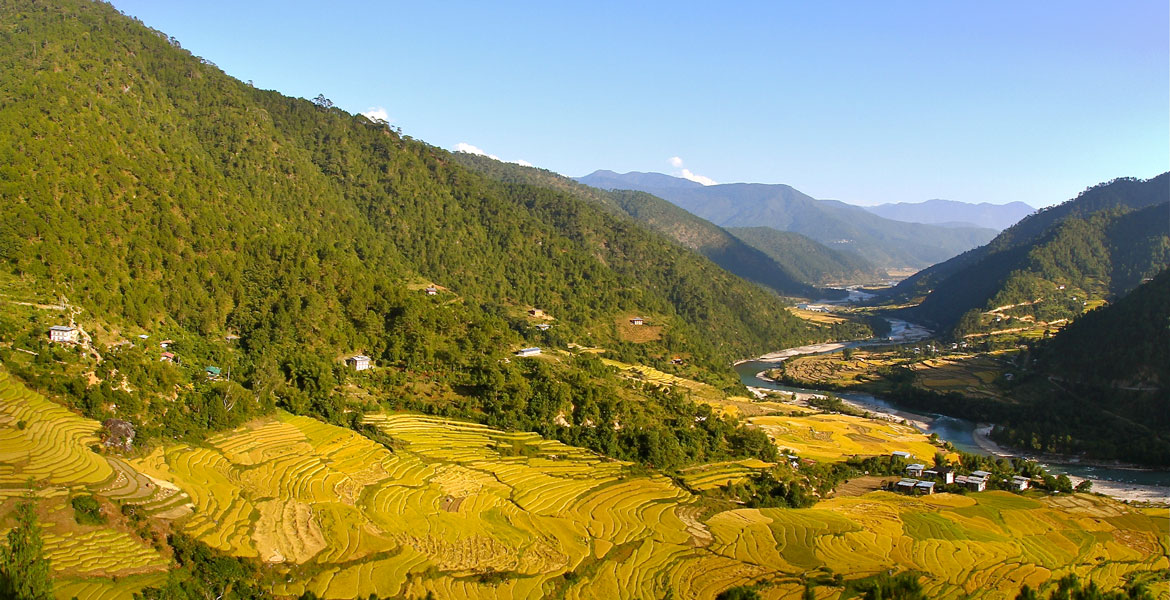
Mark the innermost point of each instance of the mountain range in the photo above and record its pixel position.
(1053, 263)
(951, 213)
(887, 243)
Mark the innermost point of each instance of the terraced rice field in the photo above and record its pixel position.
(971, 375)
(829, 437)
(465, 511)
(43, 441)
(715, 475)
(52, 447)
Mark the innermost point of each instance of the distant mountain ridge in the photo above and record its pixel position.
(841, 226)
(951, 213)
(795, 271)
(1096, 246)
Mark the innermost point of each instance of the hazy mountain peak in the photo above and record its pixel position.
(611, 180)
(945, 212)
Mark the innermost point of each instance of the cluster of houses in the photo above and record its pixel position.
(813, 307)
(920, 480)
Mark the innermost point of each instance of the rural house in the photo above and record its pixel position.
(213, 372)
(1021, 483)
(431, 290)
(636, 321)
(924, 487)
(906, 486)
(359, 362)
(167, 357)
(63, 334)
(915, 470)
(900, 454)
(533, 351)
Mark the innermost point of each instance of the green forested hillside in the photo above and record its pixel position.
(1100, 385)
(796, 275)
(885, 242)
(1053, 264)
(165, 198)
(807, 258)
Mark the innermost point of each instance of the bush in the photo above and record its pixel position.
(87, 511)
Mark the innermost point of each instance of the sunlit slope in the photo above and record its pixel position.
(467, 511)
(43, 443)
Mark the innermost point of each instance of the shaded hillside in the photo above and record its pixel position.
(952, 213)
(1094, 247)
(808, 259)
(1102, 384)
(795, 276)
(887, 243)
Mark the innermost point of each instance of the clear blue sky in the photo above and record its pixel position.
(865, 102)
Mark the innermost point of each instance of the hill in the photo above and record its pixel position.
(808, 259)
(1053, 264)
(951, 213)
(793, 274)
(1101, 386)
(887, 243)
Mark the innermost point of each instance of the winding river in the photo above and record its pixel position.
(959, 432)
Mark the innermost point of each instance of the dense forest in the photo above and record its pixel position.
(272, 236)
(1052, 264)
(794, 274)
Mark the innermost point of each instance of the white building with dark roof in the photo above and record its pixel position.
(63, 334)
(359, 362)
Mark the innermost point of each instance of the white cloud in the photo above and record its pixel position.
(377, 113)
(468, 148)
(677, 163)
(687, 174)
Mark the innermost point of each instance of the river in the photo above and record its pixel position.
(960, 432)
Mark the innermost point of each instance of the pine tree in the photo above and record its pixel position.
(24, 571)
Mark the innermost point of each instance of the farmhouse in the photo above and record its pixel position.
(167, 357)
(533, 351)
(971, 482)
(1021, 483)
(924, 487)
(543, 326)
(636, 321)
(980, 474)
(165, 344)
(906, 486)
(431, 290)
(213, 372)
(943, 474)
(900, 454)
(915, 470)
(359, 362)
(63, 334)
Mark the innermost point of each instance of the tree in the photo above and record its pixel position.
(24, 570)
(322, 102)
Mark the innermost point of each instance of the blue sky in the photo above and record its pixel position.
(865, 102)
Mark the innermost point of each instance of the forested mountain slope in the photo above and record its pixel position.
(146, 184)
(887, 243)
(796, 274)
(808, 258)
(1054, 263)
(1102, 384)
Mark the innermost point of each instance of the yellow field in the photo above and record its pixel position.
(971, 375)
(715, 475)
(43, 441)
(828, 437)
(816, 317)
(465, 511)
